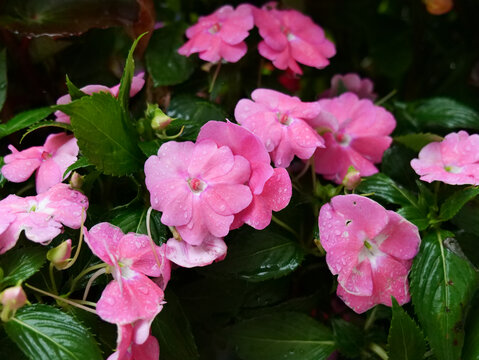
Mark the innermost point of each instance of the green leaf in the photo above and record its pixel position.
(406, 340)
(24, 120)
(417, 141)
(443, 112)
(3, 77)
(349, 338)
(75, 93)
(133, 219)
(289, 336)
(384, 188)
(2, 178)
(46, 123)
(19, 264)
(258, 256)
(173, 331)
(471, 347)
(105, 135)
(150, 148)
(125, 82)
(163, 62)
(442, 285)
(415, 215)
(81, 163)
(43, 332)
(192, 113)
(456, 201)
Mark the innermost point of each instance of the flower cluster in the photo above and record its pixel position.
(288, 36)
(369, 248)
(206, 188)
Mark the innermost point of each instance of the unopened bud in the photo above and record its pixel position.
(76, 181)
(12, 299)
(352, 178)
(160, 121)
(438, 7)
(59, 255)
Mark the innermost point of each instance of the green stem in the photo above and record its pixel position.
(83, 273)
(152, 244)
(77, 252)
(379, 351)
(284, 226)
(215, 75)
(52, 279)
(370, 319)
(386, 98)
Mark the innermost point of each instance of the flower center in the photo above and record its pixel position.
(46, 155)
(283, 119)
(453, 169)
(343, 139)
(196, 185)
(215, 28)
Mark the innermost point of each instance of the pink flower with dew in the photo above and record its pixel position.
(131, 297)
(50, 161)
(369, 248)
(188, 256)
(127, 349)
(356, 133)
(220, 35)
(290, 37)
(42, 217)
(281, 122)
(136, 85)
(271, 188)
(454, 161)
(198, 188)
(351, 82)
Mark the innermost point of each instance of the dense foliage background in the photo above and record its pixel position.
(273, 296)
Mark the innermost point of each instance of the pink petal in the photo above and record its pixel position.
(372, 147)
(48, 175)
(137, 83)
(138, 299)
(390, 279)
(19, 166)
(233, 53)
(227, 199)
(359, 304)
(210, 161)
(359, 280)
(39, 227)
(149, 350)
(103, 240)
(186, 255)
(402, 238)
(9, 237)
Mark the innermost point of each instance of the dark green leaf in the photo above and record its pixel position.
(46, 123)
(163, 62)
(405, 340)
(2, 178)
(442, 285)
(19, 264)
(150, 147)
(291, 336)
(417, 141)
(75, 93)
(386, 189)
(456, 201)
(415, 215)
(471, 343)
(125, 82)
(258, 256)
(43, 332)
(105, 135)
(8, 349)
(3, 77)
(192, 113)
(173, 331)
(349, 338)
(133, 219)
(24, 120)
(443, 112)
(82, 162)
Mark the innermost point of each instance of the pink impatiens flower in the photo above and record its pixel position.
(280, 121)
(271, 188)
(186, 255)
(50, 160)
(356, 133)
(369, 248)
(131, 298)
(41, 216)
(455, 160)
(363, 88)
(198, 187)
(220, 35)
(291, 37)
(136, 85)
(127, 349)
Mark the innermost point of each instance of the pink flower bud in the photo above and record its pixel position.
(76, 181)
(352, 178)
(59, 255)
(160, 120)
(12, 299)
